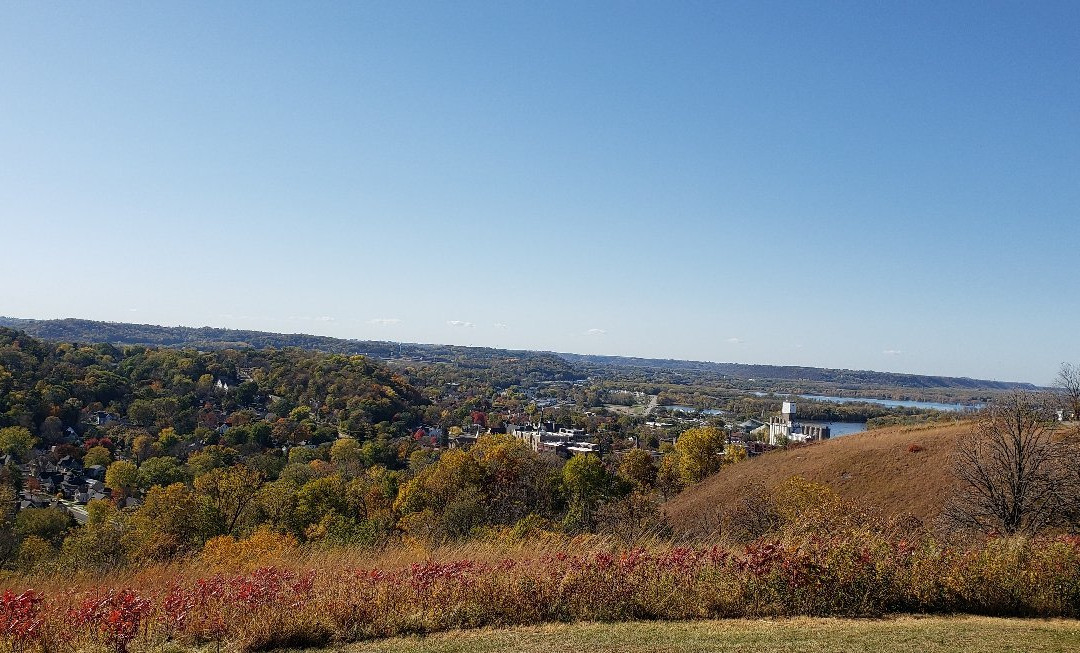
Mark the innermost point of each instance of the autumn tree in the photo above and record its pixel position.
(143, 447)
(161, 470)
(1009, 470)
(97, 456)
(444, 499)
(498, 481)
(667, 475)
(517, 481)
(35, 554)
(50, 524)
(698, 453)
(587, 483)
(97, 544)
(371, 496)
(734, 454)
(16, 441)
(168, 440)
(9, 505)
(122, 476)
(318, 499)
(345, 451)
(275, 504)
(211, 457)
(171, 521)
(141, 412)
(637, 467)
(230, 492)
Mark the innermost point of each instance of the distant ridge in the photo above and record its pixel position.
(566, 366)
(798, 373)
(123, 333)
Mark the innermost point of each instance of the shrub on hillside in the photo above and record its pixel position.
(226, 553)
(853, 571)
(816, 555)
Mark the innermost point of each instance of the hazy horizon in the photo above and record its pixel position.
(887, 187)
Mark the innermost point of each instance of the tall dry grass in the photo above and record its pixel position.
(269, 591)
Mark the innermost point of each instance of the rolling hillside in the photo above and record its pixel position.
(875, 467)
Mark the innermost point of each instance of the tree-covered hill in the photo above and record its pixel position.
(48, 386)
(838, 377)
(513, 367)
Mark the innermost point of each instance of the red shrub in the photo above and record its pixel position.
(20, 622)
(114, 618)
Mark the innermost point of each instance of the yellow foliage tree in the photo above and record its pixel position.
(262, 548)
(698, 451)
(637, 466)
(121, 476)
(734, 454)
(230, 492)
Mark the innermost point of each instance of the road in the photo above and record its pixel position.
(77, 511)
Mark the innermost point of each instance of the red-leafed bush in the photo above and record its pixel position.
(113, 618)
(20, 621)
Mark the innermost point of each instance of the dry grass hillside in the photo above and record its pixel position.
(879, 467)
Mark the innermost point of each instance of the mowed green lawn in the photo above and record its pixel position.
(899, 634)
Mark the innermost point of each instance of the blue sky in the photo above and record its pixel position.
(888, 186)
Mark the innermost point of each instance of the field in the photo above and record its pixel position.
(901, 634)
(879, 467)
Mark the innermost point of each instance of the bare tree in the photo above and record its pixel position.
(1010, 470)
(1070, 487)
(1068, 381)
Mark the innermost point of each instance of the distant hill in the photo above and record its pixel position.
(523, 366)
(852, 378)
(546, 365)
(121, 333)
(877, 467)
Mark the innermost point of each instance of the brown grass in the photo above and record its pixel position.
(877, 467)
(306, 557)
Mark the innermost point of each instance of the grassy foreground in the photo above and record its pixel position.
(327, 598)
(900, 634)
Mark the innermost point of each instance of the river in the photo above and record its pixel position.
(893, 403)
(836, 429)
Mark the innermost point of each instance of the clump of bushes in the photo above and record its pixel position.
(798, 550)
(810, 569)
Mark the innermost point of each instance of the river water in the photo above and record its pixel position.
(836, 429)
(897, 403)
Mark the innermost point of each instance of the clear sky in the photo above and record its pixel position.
(871, 185)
